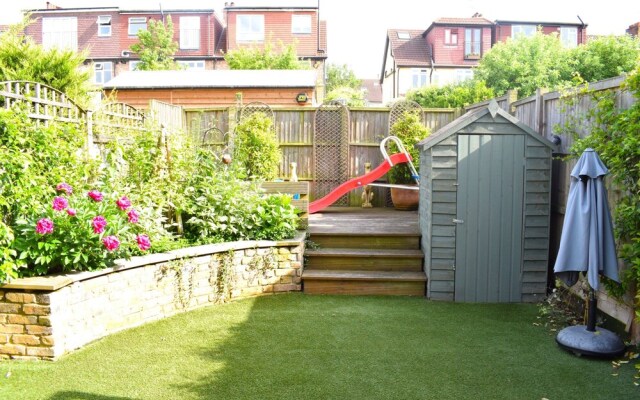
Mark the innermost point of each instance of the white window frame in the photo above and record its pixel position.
(569, 36)
(189, 33)
(192, 65)
(403, 35)
(100, 72)
(133, 64)
(104, 21)
(472, 48)
(300, 24)
(419, 78)
(450, 37)
(250, 28)
(524, 30)
(463, 74)
(60, 32)
(136, 23)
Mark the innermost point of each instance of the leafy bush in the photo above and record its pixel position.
(256, 147)
(22, 59)
(34, 158)
(80, 231)
(454, 95)
(265, 58)
(352, 97)
(615, 135)
(8, 265)
(410, 130)
(606, 57)
(221, 207)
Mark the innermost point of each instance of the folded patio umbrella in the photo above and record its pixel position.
(587, 245)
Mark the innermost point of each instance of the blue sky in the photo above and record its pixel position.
(357, 28)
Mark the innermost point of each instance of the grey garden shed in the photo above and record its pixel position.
(484, 209)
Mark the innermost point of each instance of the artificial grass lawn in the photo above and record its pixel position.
(298, 346)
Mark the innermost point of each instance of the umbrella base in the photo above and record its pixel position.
(580, 341)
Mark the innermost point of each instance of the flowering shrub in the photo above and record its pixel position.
(80, 232)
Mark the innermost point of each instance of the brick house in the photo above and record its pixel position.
(248, 26)
(442, 54)
(106, 34)
(570, 34)
(450, 47)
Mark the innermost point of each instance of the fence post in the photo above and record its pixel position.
(90, 147)
(539, 111)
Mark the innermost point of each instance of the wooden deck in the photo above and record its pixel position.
(365, 221)
(364, 251)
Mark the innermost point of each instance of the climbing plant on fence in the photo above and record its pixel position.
(615, 135)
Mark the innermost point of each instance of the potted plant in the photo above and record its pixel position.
(410, 130)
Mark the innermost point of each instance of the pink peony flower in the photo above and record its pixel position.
(44, 226)
(133, 216)
(123, 203)
(144, 243)
(64, 187)
(72, 212)
(96, 195)
(111, 242)
(98, 224)
(60, 203)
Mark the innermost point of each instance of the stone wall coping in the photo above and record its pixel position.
(55, 282)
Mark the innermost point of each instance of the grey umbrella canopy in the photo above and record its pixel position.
(587, 244)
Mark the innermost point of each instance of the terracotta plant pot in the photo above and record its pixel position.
(405, 199)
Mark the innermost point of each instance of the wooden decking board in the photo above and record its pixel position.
(365, 288)
(405, 276)
(371, 221)
(367, 253)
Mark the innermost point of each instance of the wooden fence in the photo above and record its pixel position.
(295, 127)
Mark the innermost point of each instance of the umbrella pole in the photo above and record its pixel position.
(591, 316)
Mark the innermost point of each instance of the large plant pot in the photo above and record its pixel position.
(405, 199)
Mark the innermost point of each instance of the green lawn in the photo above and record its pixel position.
(326, 347)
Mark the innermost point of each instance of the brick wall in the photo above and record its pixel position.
(45, 324)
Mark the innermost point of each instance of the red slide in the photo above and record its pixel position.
(357, 182)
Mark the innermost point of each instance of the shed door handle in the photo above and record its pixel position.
(458, 221)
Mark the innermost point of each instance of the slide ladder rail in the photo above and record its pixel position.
(360, 181)
(396, 140)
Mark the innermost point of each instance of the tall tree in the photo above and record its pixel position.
(605, 57)
(156, 46)
(265, 58)
(525, 64)
(22, 59)
(341, 76)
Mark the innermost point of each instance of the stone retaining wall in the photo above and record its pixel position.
(46, 317)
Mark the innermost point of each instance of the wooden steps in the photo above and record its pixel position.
(364, 252)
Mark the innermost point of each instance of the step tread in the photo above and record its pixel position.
(357, 232)
(365, 253)
(364, 275)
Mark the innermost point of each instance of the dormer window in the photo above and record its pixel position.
(404, 35)
(104, 25)
(137, 24)
(301, 24)
(250, 28)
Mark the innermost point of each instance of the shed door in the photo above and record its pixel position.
(489, 227)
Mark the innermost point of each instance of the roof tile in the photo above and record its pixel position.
(412, 52)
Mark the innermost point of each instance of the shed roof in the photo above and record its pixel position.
(213, 79)
(456, 125)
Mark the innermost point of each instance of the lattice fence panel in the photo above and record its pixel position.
(256, 107)
(331, 149)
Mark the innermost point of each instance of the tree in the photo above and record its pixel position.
(265, 58)
(525, 64)
(352, 97)
(156, 47)
(22, 59)
(454, 95)
(606, 57)
(341, 76)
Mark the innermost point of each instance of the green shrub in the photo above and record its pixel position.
(410, 130)
(256, 147)
(8, 267)
(221, 207)
(454, 95)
